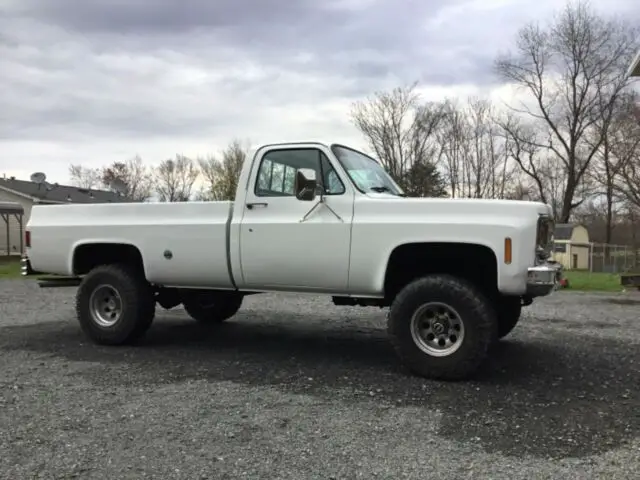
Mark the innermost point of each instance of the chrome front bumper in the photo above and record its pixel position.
(541, 280)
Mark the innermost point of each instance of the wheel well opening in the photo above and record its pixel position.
(473, 262)
(86, 257)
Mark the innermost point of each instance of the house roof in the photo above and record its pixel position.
(563, 231)
(59, 193)
(11, 207)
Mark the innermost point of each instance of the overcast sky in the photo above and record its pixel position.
(96, 81)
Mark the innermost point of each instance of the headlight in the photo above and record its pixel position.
(544, 237)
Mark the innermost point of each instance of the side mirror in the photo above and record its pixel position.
(305, 184)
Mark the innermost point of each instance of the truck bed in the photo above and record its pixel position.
(195, 234)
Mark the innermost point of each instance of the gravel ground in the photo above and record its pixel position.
(294, 387)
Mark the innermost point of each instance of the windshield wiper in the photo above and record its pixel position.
(382, 189)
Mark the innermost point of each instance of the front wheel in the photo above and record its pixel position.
(211, 307)
(114, 305)
(441, 327)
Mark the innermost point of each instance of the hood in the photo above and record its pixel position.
(461, 205)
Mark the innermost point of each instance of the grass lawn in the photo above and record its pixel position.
(593, 282)
(9, 267)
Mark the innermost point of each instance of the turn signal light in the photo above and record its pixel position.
(507, 250)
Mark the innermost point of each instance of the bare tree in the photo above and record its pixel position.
(453, 147)
(620, 143)
(522, 145)
(574, 70)
(134, 175)
(84, 177)
(630, 187)
(174, 179)
(399, 129)
(473, 150)
(634, 221)
(543, 177)
(221, 175)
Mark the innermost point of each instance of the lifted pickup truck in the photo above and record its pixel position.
(308, 218)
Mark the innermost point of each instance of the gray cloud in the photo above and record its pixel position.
(144, 16)
(272, 30)
(68, 68)
(141, 70)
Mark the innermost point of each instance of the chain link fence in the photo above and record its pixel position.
(607, 258)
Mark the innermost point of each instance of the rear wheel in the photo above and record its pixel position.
(114, 305)
(441, 327)
(210, 308)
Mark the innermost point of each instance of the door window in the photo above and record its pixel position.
(278, 168)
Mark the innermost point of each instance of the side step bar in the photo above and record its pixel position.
(55, 282)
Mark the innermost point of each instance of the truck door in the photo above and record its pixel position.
(278, 249)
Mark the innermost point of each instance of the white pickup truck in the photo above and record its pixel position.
(308, 218)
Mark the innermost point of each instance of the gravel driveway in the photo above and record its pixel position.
(296, 388)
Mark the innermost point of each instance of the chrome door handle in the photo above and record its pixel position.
(251, 205)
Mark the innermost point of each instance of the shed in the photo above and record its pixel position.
(8, 212)
(571, 246)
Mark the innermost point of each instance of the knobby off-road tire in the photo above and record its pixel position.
(114, 305)
(509, 310)
(211, 308)
(470, 323)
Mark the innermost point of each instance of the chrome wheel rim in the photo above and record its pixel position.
(437, 329)
(105, 306)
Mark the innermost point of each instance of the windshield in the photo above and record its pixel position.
(367, 174)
